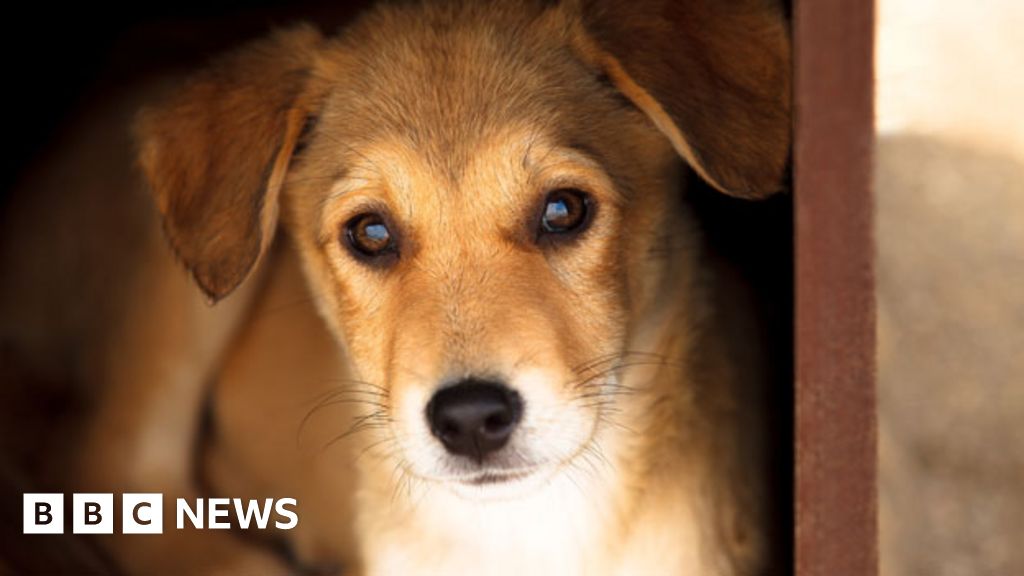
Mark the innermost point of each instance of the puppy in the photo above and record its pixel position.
(516, 357)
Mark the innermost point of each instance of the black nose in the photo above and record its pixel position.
(474, 418)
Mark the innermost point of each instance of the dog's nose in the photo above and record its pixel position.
(474, 417)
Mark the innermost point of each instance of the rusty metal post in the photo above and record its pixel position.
(836, 491)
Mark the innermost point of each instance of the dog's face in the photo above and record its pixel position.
(475, 235)
(485, 201)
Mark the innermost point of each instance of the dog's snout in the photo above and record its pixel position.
(474, 417)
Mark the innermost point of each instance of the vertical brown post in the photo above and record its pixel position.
(836, 527)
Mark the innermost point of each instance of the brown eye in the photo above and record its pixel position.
(565, 211)
(369, 237)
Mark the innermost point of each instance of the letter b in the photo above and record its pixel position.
(43, 514)
(93, 514)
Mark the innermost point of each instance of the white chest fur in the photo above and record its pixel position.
(572, 526)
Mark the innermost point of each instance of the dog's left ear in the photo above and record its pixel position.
(713, 75)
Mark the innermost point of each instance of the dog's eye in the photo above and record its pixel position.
(565, 210)
(368, 236)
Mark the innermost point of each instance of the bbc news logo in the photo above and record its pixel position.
(144, 513)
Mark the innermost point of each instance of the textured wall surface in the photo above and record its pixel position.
(950, 232)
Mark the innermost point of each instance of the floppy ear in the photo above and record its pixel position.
(713, 75)
(215, 155)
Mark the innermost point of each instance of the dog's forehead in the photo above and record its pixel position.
(443, 78)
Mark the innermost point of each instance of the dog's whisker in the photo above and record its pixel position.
(596, 362)
(605, 419)
(341, 391)
(604, 377)
(425, 489)
(595, 450)
(603, 394)
(355, 396)
(409, 487)
(371, 447)
(350, 432)
(347, 384)
(399, 476)
(568, 472)
(336, 401)
(369, 421)
(340, 397)
(587, 465)
(611, 357)
(597, 404)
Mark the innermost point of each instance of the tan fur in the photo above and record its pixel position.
(642, 435)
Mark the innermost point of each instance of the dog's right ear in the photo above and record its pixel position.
(215, 154)
(712, 75)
